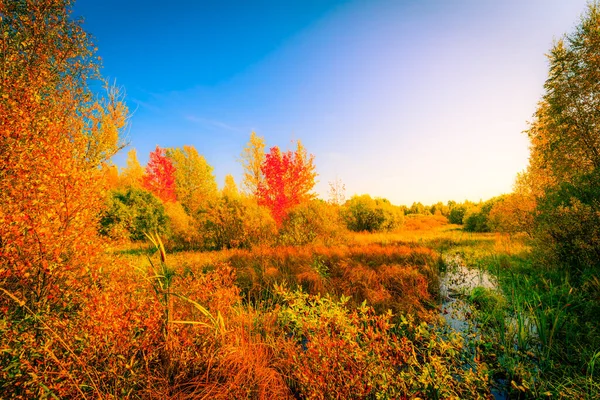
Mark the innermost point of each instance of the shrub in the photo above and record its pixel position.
(567, 225)
(231, 222)
(476, 219)
(457, 214)
(363, 213)
(183, 228)
(343, 352)
(131, 213)
(314, 221)
(512, 214)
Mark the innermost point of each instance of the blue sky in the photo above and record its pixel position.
(408, 100)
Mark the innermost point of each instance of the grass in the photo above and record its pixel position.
(539, 333)
(272, 321)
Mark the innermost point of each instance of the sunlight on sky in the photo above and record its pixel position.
(408, 100)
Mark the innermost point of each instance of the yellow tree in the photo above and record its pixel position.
(195, 183)
(252, 158)
(230, 189)
(132, 174)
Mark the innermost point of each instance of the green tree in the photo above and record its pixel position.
(565, 151)
(572, 141)
(133, 212)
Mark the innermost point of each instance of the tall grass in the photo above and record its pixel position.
(547, 337)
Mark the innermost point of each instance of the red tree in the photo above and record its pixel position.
(160, 176)
(288, 180)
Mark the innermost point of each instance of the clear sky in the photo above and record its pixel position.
(408, 100)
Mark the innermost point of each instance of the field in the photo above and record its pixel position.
(359, 320)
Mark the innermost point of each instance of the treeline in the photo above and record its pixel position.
(176, 195)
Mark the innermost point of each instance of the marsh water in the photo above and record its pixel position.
(456, 283)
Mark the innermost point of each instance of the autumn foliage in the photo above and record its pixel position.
(289, 178)
(277, 299)
(160, 176)
(54, 135)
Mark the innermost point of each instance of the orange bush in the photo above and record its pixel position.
(416, 222)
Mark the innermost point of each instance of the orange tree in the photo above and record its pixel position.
(288, 180)
(55, 132)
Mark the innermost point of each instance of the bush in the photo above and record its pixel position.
(315, 221)
(131, 213)
(352, 353)
(363, 213)
(476, 219)
(512, 214)
(231, 222)
(567, 224)
(183, 228)
(457, 214)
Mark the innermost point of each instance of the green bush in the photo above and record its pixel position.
(456, 214)
(131, 213)
(476, 219)
(363, 213)
(567, 225)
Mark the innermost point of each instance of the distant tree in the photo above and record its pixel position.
(457, 213)
(288, 180)
(230, 189)
(133, 173)
(439, 208)
(477, 218)
(337, 192)
(418, 208)
(363, 213)
(159, 177)
(195, 183)
(252, 159)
